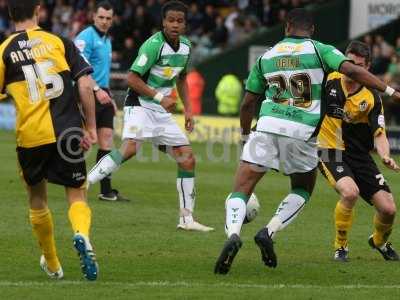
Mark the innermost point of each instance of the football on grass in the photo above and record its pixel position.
(252, 208)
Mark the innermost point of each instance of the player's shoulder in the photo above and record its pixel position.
(86, 33)
(373, 96)
(334, 76)
(55, 39)
(7, 42)
(156, 40)
(185, 40)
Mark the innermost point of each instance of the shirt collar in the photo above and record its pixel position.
(101, 34)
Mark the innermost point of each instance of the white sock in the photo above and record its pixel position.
(287, 211)
(106, 165)
(187, 197)
(235, 214)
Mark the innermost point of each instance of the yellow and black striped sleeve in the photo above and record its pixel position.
(77, 64)
(376, 118)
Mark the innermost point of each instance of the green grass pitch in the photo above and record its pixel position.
(143, 256)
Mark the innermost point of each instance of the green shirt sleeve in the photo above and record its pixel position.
(256, 82)
(331, 57)
(147, 57)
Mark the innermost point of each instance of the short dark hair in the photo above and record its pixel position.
(174, 5)
(360, 49)
(105, 5)
(300, 18)
(21, 10)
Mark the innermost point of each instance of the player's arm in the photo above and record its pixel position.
(147, 57)
(80, 72)
(383, 149)
(181, 85)
(247, 110)
(255, 89)
(334, 60)
(85, 87)
(376, 121)
(367, 79)
(136, 83)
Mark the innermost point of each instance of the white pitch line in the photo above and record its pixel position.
(169, 284)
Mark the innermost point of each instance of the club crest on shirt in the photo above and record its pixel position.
(363, 105)
(347, 116)
(168, 72)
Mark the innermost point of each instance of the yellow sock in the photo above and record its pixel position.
(42, 224)
(343, 222)
(381, 232)
(80, 217)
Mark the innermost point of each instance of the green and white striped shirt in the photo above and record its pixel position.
(159, 65)
(291, 76)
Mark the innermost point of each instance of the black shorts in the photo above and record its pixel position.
(336, 164)
(60, 163)
(104, 114)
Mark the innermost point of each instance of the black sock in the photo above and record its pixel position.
(105, 184)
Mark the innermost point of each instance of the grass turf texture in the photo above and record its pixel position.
(143, 256)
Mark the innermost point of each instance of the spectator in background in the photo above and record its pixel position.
(228, 94)
(210, 15)
(219, 36)
(379, 63)
(130, 50)
(386, 49)
(267, 17)
(195, 18)
(238, 33)
(195, 83)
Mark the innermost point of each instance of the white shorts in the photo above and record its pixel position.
(145, 124)
(271, 151)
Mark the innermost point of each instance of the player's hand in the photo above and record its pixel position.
(396, 96)
(103, 97)
(89, 138)
(189, 122)
(168, 103)
(390, 163)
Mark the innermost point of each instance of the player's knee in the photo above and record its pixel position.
(188, 161)
(105, 139)
(390, 208)
(350, 193)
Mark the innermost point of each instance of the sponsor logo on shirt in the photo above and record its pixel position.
(381, 121)
(80, 44)
(289, 48)
(142, 60)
